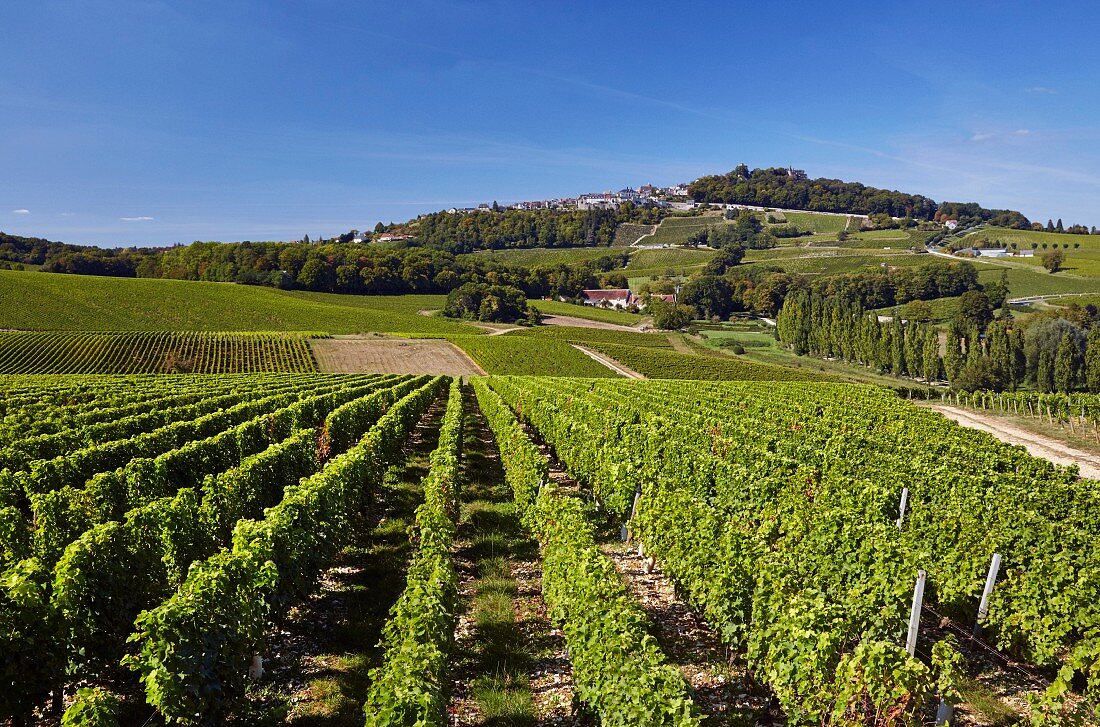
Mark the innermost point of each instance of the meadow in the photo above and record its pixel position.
(1002, 236)
(1025, 281)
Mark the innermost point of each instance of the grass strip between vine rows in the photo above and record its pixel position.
(411, 685)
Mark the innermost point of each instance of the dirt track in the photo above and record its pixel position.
(1037, 444)
(392, 356)
(608, 362)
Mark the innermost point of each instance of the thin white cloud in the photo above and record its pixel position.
(21, 211)
(66, 214)
(987, 135)
(1040, 89)
(143, 218)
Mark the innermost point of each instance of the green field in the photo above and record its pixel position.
(1023, 281)
(1083, 260)
(530, 257)
(886, 237)
(1004, 237)
(50, 301)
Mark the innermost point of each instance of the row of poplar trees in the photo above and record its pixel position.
(998, 359)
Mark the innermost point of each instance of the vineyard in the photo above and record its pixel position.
(57, 352)
(157, 534)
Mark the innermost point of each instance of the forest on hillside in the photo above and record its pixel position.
(792, 189)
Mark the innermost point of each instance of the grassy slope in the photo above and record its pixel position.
(761, 347)
(1025, 281)
(1080, 261)
(49, 301)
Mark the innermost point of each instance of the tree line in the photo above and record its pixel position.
(338, 268)
(508, 228)
(975, 353)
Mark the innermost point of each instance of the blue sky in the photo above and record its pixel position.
(160, 122)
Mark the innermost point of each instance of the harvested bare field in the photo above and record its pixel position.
(384, 355)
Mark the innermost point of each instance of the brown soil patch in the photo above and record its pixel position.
(392, 356)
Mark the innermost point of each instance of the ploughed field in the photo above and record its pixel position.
(158, 534)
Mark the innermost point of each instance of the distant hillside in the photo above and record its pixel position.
(792, 189)
(37, 301)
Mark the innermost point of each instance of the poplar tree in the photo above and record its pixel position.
(1019, 358)
(1065, 364)
(1092, 360)
(1044, 372)
(931, 365)
(953, 357)
(897, 346)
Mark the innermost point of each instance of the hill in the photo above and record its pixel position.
(792, 189)
(41, 301)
